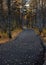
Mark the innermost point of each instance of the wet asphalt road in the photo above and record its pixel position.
(23, 50)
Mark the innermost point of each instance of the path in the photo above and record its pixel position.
(24, 50)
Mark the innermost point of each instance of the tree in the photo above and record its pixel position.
(2, 20)
(43, 12)
(9, 14)
(15, 8)
(33, 7)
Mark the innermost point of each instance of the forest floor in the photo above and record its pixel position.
(43, 35)
(4, 37)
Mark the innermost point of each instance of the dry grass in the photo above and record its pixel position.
(36, 30)
(4, 37)
(16, 32)
(43, 34)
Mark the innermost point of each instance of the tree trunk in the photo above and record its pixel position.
(9, 17)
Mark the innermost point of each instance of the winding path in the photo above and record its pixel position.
(24, 50)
